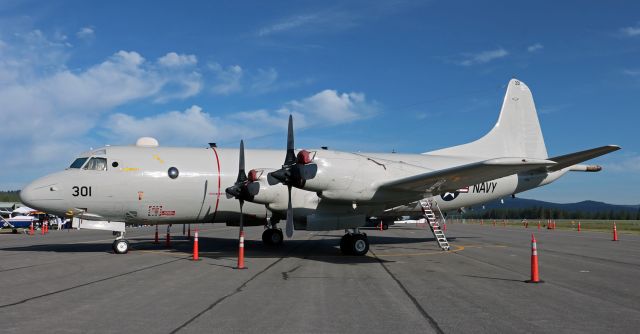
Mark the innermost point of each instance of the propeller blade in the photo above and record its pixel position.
(291, 155)
(289, 229)
(242, 175)
(280, 175)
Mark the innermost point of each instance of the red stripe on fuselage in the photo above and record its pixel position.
(219, 185)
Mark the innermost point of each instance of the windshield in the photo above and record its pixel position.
(96, 164)
(78, 163)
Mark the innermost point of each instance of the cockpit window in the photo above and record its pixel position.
(78, 163)
(96, 164)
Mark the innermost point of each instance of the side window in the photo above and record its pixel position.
(96, 164)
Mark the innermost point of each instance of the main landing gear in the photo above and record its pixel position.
(272, 237)
(354, 243)
(120, 245)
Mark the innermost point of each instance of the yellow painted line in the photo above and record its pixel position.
(129, 169)
(457, 249)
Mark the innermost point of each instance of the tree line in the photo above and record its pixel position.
(546, 213)
(10, 196)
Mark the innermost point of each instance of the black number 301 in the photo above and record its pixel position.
(81, 191)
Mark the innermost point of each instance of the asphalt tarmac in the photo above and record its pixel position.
(71, 282)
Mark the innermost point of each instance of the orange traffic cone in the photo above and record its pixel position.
(168, 241)
(155, 240)
(538, 225)
(381, 225)
(31, 229)
(241, 252)
(195, 247)
(535, 276)
(42, 229)
(494, 223)
(615, 232)
(579, 227)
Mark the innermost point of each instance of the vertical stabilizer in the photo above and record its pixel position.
(516, 134)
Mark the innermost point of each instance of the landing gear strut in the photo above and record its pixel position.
(120, 245)
(354, 243)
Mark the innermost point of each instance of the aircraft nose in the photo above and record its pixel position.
(41, 193)
(26, 195)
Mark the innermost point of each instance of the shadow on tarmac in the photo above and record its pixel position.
(325, 250)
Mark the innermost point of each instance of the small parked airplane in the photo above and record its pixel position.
(318, 190)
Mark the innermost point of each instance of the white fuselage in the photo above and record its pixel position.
(135, 187)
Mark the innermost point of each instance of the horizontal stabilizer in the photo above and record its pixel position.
(571, 159)
(462, 176)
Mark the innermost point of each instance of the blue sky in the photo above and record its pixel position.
(410, 76)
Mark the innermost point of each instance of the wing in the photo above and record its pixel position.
(571, 159)
(450, 179)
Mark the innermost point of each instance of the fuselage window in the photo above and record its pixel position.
(96, 164)
(78, 163)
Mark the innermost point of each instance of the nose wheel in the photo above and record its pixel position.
(354, 244)
(120, 245)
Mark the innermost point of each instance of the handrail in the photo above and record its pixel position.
(441, 216)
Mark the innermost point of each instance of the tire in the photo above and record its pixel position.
(345, 244)
(120, 246)
(266, 236)
(276, 237)
(385, 227)
(359, 245)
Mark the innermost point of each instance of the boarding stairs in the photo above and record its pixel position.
(435, 218)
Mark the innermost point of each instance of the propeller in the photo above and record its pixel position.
(293, 173)
(240, 189)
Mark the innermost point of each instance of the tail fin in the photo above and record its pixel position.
(516, 134)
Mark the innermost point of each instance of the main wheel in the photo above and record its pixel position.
(345, 244)
(276, 237)
(359, 244)
(266, 236)
(385, 226)
(121, 246)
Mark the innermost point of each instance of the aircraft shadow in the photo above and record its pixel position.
(324, 250)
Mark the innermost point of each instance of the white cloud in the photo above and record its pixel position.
(48, 110)
(332, 107)
(483, 57)
(629, 163)
(287, 24)
(228, 80)
(631, 31)
(632, 72)
(535, 47)
(173, 59)
(194, 126)
(322, 21)
(264, 81)
(86, 33)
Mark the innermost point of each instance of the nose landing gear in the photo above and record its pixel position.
(120, 245)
